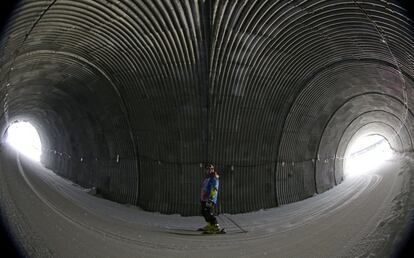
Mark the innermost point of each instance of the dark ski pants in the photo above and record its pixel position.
(208, 213)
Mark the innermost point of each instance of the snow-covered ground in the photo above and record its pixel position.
(52, 217)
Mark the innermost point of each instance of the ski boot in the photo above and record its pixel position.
(205, 228)
(215, 229)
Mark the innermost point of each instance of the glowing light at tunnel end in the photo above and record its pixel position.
(365, 154)
(24, 138)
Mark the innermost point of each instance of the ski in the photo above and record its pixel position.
(221, 231)
(200, 232)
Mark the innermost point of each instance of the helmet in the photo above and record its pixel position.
(208, 166)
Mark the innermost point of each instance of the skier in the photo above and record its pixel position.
(208, 199)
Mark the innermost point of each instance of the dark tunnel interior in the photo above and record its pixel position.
(132, 98)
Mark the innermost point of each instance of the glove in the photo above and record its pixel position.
(209, 204)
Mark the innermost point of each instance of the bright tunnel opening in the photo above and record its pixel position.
(24, 138)
(365, 154)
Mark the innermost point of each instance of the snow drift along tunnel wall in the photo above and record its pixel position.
(132, 97)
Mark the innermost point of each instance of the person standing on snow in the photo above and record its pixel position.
(208, 199)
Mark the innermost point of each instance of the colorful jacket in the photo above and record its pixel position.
(209, 189)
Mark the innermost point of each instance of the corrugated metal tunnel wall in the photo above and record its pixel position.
(342, 104)
(134, 96)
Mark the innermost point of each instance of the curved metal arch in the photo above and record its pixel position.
(377, 111)
(345, 130)
(333, 115)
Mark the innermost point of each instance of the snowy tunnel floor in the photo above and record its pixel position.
(52, 217)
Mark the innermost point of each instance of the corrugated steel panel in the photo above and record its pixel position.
(168, 85)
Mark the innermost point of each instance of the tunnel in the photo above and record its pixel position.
(132, 98)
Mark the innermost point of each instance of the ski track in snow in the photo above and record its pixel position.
(345, 221)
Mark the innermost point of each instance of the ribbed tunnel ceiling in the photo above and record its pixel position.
(133, 96)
